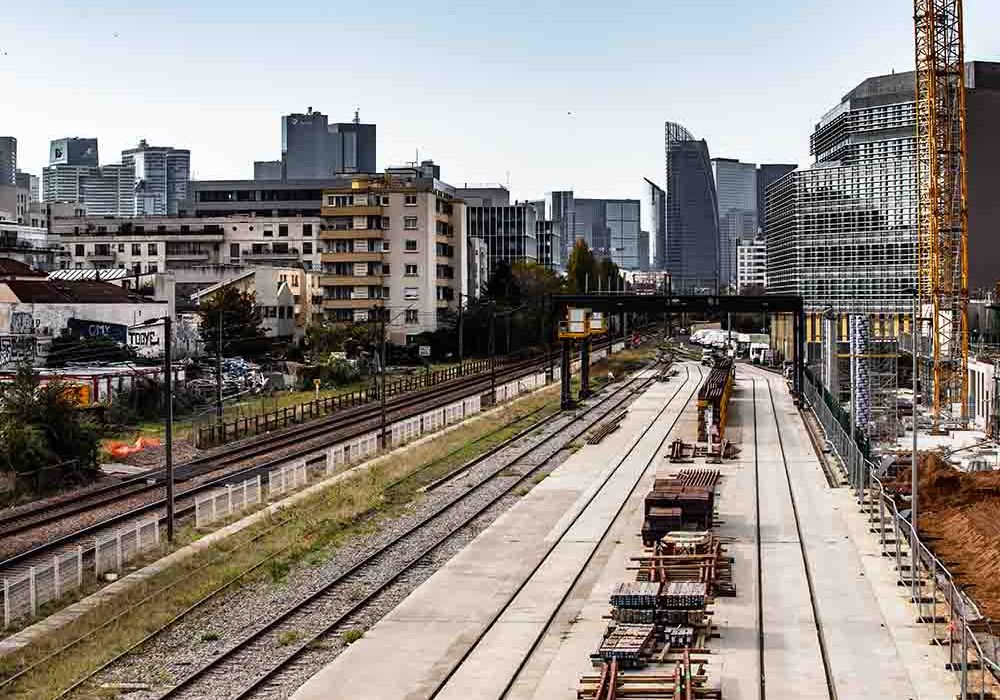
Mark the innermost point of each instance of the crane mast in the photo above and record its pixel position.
(942, 218)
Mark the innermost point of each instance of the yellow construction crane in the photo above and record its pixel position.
(942, 218)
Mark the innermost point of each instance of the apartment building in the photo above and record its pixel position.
(751, 265)
(186, 245)
(395, 242)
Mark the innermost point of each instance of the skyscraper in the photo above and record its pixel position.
(162, 177)
(736, 188)
(692, 214)
(8, 160)
(767, 175)
(314, 149)
(73, 175)
(842, 233)
(654, 221)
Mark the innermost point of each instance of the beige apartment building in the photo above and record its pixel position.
(395, 242)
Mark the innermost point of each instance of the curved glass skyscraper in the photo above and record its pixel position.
(692, 213)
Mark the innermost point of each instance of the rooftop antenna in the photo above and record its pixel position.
(508, 179)
(357, 117)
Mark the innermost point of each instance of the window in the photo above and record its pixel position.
(386, 223)
(411, 293)
(269, 232)
(295, 281)
(151, 248)
(411, 271)
(385, 292)
(78, 249)
(136, 267)
(343, 246)
(410, 200)
(307, 230)
(412, 316)
(385, 268)
(289, 312)
(186, 228)
(152, 267)
(234, 251)
(137, 249)
(385, 245)
(409, 223)
(121, 247)
(411, 245)
(307, 247)
(281, 312)
(283, 230)
(385, 200)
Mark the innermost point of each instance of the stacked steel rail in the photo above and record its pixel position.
(713, 402)
(656, 643)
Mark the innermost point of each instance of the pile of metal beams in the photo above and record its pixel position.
(606, 428)
(713, 402)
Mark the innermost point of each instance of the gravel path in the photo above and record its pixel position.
(217, 627)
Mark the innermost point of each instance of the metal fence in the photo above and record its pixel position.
(217, 433)
(113, 551)
(223, 502)
(954, 619)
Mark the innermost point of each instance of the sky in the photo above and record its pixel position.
(544, 96)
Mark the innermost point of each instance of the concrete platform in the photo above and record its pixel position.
(425, 636)
(873, 647)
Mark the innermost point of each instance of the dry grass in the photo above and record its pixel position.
(306, 534)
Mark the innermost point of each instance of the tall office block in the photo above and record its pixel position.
(654, 222)
(73, 151)
(736, 190)
(842, 233)
(162, 178)
(8, 160)
(767, 175)
(560, 210)
(313, 149)
(510, 231)
(692, 214)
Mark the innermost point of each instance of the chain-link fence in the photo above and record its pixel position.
(953, 617)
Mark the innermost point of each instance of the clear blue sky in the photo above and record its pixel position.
(559, 96)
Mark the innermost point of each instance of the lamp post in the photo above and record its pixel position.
(168, 422)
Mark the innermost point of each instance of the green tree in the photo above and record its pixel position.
(323, 338)
(41, 425)
(502, 286)
(581, 269)
(608, 274)
(242, 333)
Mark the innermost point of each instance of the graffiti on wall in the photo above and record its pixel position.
(17, 349)
(22, 323)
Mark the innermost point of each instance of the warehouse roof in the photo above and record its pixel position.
(78, 292)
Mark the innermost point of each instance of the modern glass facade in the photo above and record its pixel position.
(162, 178)
(510, 232)
(654, 221)
(841, 233)
(692, 215)
(8, 160)
(736, 189)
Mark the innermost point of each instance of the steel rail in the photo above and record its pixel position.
(412, 560)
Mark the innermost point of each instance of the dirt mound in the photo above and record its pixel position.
(960, 519)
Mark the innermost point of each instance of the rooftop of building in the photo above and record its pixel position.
(15, 268)
(76, 292)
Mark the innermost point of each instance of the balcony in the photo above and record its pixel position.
(364, 256)
(350, 303)
(349, 234)
(289, 254)
(195, 255)
(332, 280)
(354, 210)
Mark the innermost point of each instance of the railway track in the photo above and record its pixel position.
(336, 605)
(526, 654)
(137, 498)
(761, 637)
